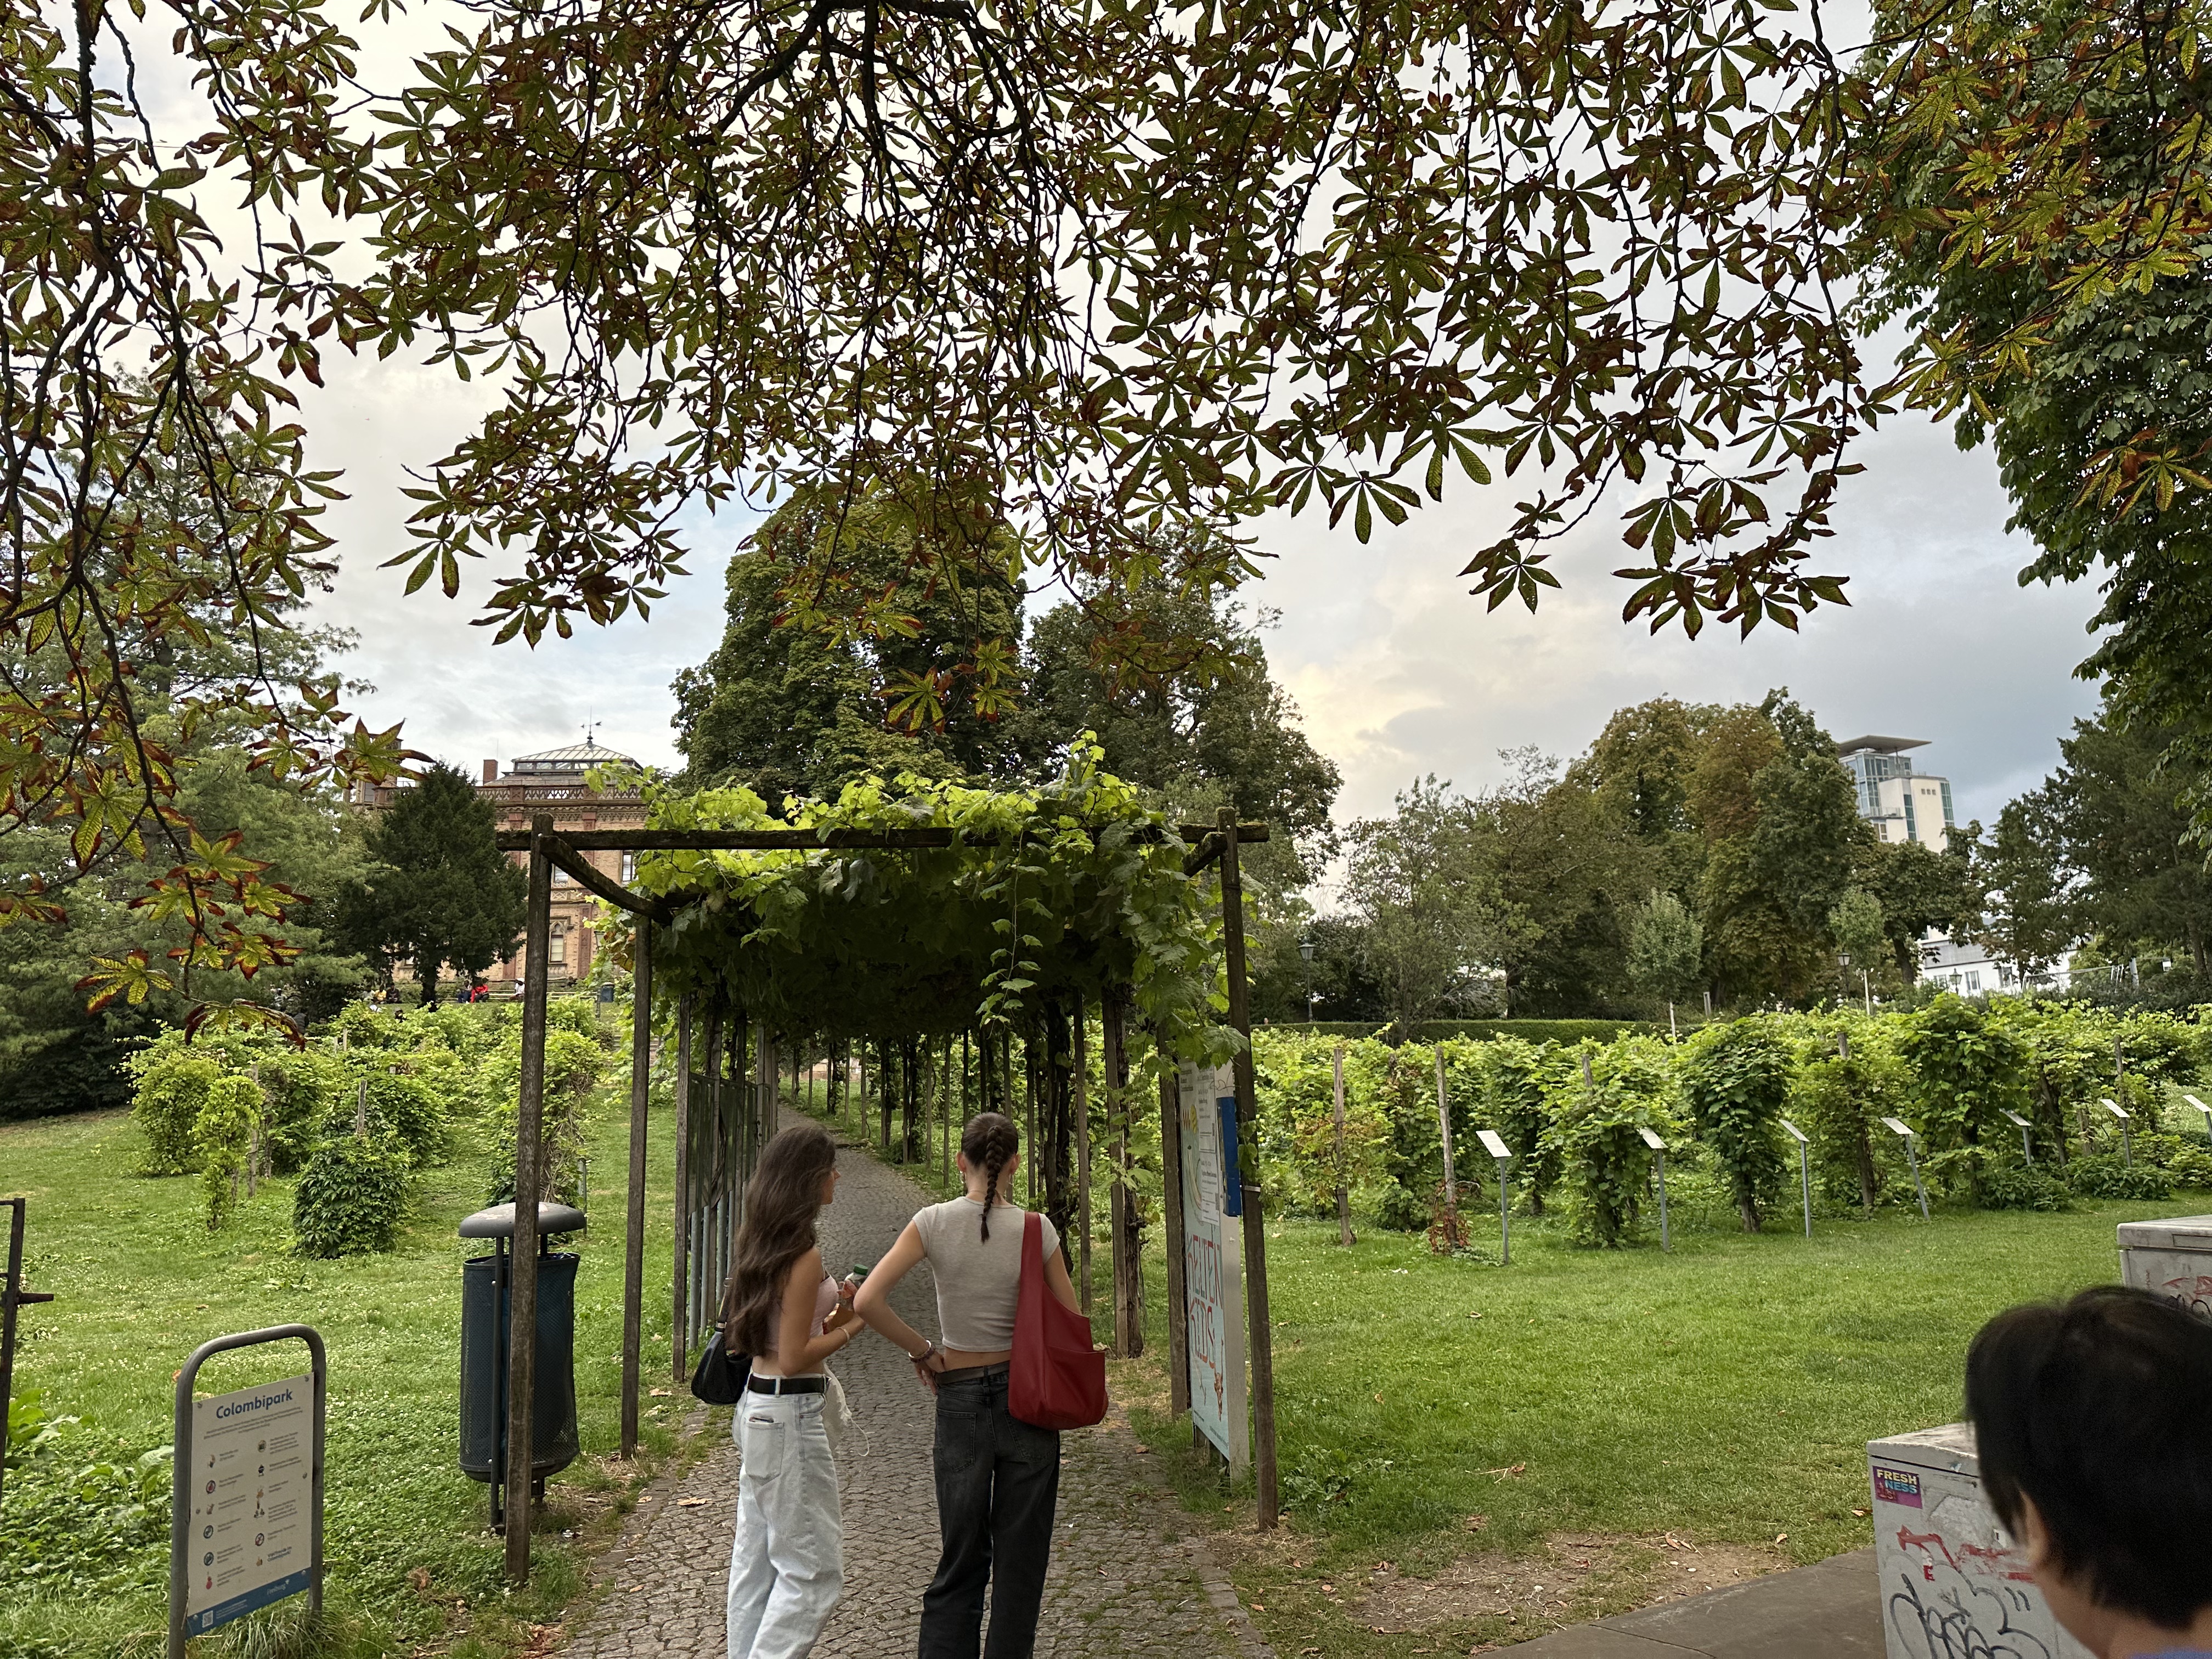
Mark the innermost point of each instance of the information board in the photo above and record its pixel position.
(251, 1536)
(1214, 1260)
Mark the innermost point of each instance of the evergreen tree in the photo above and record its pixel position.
(440, 892)
(2027, 914)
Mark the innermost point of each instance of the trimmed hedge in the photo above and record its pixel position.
(1480, 1031)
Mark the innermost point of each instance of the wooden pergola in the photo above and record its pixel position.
(1210, 846)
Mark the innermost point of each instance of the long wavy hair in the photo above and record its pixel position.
(781, 1205)
(987, 1143)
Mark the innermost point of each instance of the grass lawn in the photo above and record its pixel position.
(1613, 1418)
(140, 1283)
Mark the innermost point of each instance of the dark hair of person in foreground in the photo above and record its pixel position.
(2094, 1423)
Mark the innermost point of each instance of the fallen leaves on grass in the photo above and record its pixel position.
(1510, 1472)
(1476, 1523)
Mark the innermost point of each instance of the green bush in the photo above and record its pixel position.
(299, 1087)
(1604, 1163)
(84, 1515)
(1735, 1080)
(2190, 1167)
(404, 1107)
(173, 1085)
(2019, 1187)
(351, 1197)
(2105, 1175)
(574, 1064)
(1519, 1100)
(222, 1135)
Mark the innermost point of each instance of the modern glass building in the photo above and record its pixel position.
(1902, 802)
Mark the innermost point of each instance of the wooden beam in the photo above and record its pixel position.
(801, 840)
(522, 1301)
(641, 1086)
(571, 859)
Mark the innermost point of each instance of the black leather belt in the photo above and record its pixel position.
(967, 1373)
(784, 1384)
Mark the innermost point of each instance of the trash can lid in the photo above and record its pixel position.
(498, 1222)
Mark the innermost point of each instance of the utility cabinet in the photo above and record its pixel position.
(2172, 1258)
(1953, 1581)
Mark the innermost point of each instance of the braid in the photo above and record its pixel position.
(987, 1143)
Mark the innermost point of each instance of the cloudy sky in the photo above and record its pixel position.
(1398, 671)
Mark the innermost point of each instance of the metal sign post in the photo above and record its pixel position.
(1499, 1150)
(12, 1296)
(2127, 1147)
(1659, 1151)
(246, 1508)
(2203, 1111)
(1907, 1134)
(1804, 1171)
(2026, 1146)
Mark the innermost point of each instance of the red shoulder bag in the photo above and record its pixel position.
(1057, 1379)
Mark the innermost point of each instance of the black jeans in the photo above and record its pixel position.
(997, 1484)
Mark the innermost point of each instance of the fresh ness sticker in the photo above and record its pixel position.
(1897, 1486)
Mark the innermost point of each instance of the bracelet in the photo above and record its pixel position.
(923, 1357)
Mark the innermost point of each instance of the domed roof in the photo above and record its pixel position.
(574, 759)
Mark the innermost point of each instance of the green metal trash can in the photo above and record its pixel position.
(486, 1319)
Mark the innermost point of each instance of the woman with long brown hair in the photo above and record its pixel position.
(782, 1308)
(997, 1478)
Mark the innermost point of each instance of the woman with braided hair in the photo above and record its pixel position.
(997, 1478)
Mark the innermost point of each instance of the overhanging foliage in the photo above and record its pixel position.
(1045, 894)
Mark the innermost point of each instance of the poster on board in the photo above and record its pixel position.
(251, 1540)
(1214, 1260)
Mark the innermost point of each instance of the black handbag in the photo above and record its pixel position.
(718, 1379)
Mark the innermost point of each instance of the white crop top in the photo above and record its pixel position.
(977, 1283)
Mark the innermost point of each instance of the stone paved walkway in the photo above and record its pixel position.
(1127, 1578)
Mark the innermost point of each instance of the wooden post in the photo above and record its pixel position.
(1343, 1196)
(1260, 1331)
(1082, 1166)
(641, 1087)
(522, 1322)
(679, 1329)
(1178, 1284)
(1444, 1130)
(1128, 1283)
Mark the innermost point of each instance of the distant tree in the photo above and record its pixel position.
(1861, 932)
(440, 892)
(2027, 914)
(1919, 888)
(787, 709)
(1666, 948)
(1432, 917)
(1217, 726)
(1567, 875)
(2116, 804)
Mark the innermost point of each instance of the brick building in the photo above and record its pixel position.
(554, 782)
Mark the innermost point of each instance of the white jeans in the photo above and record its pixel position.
(788, 1563)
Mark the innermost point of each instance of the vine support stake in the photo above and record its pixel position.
(1261, 1331)
(1082, 1167)
(1178, 1242)
(522, 1317)
(1658, 1152)
(640, 1086)
(679, 1334)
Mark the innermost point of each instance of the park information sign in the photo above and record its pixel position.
(252, 1515)
(1213, 1259)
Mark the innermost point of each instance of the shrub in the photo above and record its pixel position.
(573, 1064)
(1968, 1068)
(2105, 1175)
(401, 1106)
(2019, 1187)
(85, 1516)
(173, 1085)
(1735, 1079)
(351, 1197)
(1518, 1079)
(2190, 1167)
(1604, 1164)
(223, 1134)
(1295, 1090)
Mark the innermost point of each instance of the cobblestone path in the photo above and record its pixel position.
(1126, 1578)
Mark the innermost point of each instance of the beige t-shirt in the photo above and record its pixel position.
(978, 1283)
